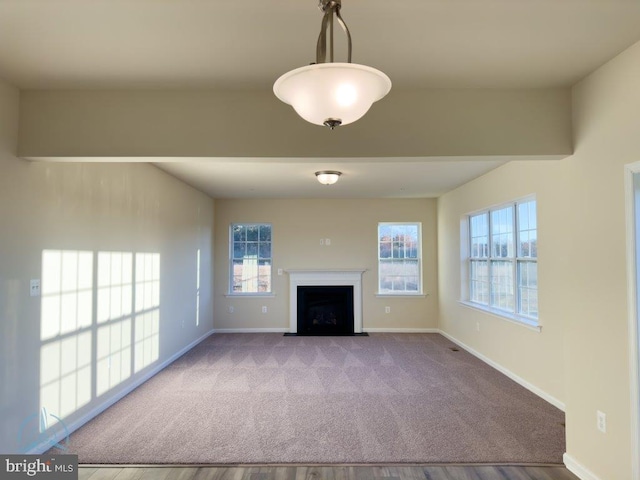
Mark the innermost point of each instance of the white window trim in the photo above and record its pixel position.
(502, 315)
(465, 293)
(230, 292)
(389, 293)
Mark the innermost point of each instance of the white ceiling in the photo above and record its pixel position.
(247, 44)
(295, 178)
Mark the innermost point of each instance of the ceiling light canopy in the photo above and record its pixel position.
(328, 177)
(328, 93)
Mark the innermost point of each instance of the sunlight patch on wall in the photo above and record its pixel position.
(88, 348)
(65, 330)
(147, 310)
(115, 297)
(198, 288)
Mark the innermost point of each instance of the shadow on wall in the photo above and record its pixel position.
(99, 325)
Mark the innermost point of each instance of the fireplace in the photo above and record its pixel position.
(325, 310)
(324, 282)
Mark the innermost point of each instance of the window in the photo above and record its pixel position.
(399, 259)
(503, 255)
(250, 258)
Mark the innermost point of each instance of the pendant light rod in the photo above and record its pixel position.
(331, 8)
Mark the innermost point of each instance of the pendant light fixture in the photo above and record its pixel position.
(328, 93)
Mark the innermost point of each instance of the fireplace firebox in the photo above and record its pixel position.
(325, 310)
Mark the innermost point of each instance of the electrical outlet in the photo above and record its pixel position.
(387, 309)
(477, 326)
(601, 421)
(327, 241)
(264, 309)
(231, 309)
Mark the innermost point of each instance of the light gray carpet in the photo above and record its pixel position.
(265, 398)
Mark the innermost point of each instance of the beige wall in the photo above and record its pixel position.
(97, 208)
(582, 355)
(534, 356)
(298, 226)
(407, 123)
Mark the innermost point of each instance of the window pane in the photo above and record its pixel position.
(527, 245)
(397, 284)
(252, 249)
(248, 273)
(265, 250)
(502, 291)
(239, 233)
(412, 284)
(523, 216)
(239, 250)
(528, 288)
(264, 276)
(384, 233)
(399, 275)
(479, 284)
(502, 232)
(478, 234)
(398, 250)
(387, 268)
(265, 233)
(412, 268)
(533, 239)
(525, 250)
(237, 275)
(252, 233)
(385, 250)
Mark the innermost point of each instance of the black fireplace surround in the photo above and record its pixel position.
(325, 310)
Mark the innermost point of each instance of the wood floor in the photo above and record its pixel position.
(424, 472)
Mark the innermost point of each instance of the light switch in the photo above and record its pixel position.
(34, 288)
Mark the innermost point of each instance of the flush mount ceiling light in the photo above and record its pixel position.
(328, 93)
(328, 177)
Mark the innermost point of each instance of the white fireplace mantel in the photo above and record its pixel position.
(325, 277)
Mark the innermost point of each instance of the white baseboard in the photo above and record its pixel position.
(250, 330)
(578, 469)
(532, 388)
(401, 330)
(94, 412)
(285, 330)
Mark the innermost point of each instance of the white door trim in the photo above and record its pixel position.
(632, 227)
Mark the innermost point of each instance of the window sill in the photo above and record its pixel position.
(394, 295)
(518, 320)
(250, 295)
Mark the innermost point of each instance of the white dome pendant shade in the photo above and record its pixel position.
(328, 93)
